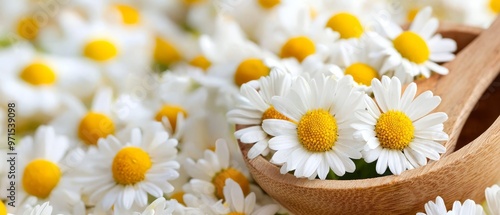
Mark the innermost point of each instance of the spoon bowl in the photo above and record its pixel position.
(458, 175)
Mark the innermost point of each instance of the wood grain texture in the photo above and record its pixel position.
(457, 176)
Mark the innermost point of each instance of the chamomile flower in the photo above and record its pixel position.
(44, 172)
(238, 203)
(41, 209)
(416, 51)
(493, 199)
(469, 207)
(209, 173)
(37, 82)
(88, 125)
(317, 137)
(161, 206)
(398, 130)
(121, 173)
(435, 208)
(255, 106)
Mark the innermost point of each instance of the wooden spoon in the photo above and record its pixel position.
(458, 176)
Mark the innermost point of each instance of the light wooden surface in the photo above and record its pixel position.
(457, 176)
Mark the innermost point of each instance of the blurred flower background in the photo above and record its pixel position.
(121, 106)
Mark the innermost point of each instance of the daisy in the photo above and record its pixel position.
(255, 106)
(416, 51)
(161, 206)
(209, 173)
(469, 207)
(88, 125)
(41, 209)
(37, 81)
(44, 171)
(317, 137)
(493, 199)
(121, 173)
(238, 203)
(398, 130)
(435, 208)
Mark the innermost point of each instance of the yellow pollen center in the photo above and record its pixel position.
(179, 196)
(28, 28)
(100, 50)
(361, 73)
(191, 2)
(236, 213)
(346, 24)
(317, 130)
(272, 113)
(38, 74)
(394, 130)
(94, 126)
(410, 16)
(41, 177)
(130, 16)
(200, 61)
(250, 69)
(219, 181)
(298, 47)
(495, 6)
(130, 165)
(268, 4)
(165, 52)
(3, 209)
(412, 47)
(171, 112)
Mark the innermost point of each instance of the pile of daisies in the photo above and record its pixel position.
(130, 107)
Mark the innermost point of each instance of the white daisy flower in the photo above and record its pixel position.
(435, 208)
(479, 13)
(209, 174)
(238, 203)
(88, 124)
(318, 136)
(161, 206)
(493, 199)
(416, 51)
(398, 130)
(121, 173)
(469, 207)
(255, 106)
(36, 81)
(44, 171)
(41, 209)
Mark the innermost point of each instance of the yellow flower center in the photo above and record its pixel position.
(250, 69)
(346, 24)
(219, 181)
(3, 209)
(394, 130)
(236, 213)
(412, 47)
(272, 113)
(41, 177)
(130, 165)
(410, 16)
(179, 196)
(28, 28)
(317, 130)
(495, 6)
(100, 50)
(165, 52)
(171, 112)
(38, 73)
(130, 16)
(298, 47)
(94, 126)
(200, 61)
(268, 4)
(361, 73)
(191, 2)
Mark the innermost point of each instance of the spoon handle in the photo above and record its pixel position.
(471, 72)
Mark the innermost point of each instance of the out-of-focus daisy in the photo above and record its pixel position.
(238, 203)
(291, 34)
(36, 81)
(317, 137)
(43, 171)
(416, 51)
(209, 174)
(22, 19)
(398, 130)
(88, 125)
(41, 209)
(121, 173)
(493, 199)
(162, 206)
(255, 106)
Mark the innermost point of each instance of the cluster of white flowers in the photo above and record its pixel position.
(129, 107)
